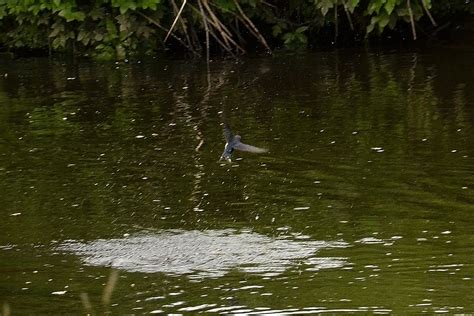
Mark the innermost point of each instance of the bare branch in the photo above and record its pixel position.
(221, 28)
(428, 13)
(175, 20)
(183, 25)
(412, 21)
(207, 35)
(154, 22)
(224, 32)
(252, 26)
(336, 25)
(349, 18)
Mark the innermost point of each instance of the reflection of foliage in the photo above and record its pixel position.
(83, 133)
(84, 177)
(117, 29)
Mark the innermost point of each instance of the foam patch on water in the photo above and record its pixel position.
(210, 253)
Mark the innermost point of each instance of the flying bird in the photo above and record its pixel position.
(233, 142)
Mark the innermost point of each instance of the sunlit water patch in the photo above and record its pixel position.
(210, 253)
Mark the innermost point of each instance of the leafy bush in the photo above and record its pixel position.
(118, 29)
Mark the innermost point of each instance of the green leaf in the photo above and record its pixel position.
(69, 15)
(372, 24)
(80, 36)
(393, 21)
(59, 42)
(98, 37)
(324, 5)
(301, 29)
(428, 3)
(276, 30)
(301, 38)
(226, 5)
(120, 52)
(150, 4)
(383, 20)
(375, 6)
(389, 6)
(288, 37)
(110, 26)
(351, 5)
(65, 13)
(79, 16)
(124, 5)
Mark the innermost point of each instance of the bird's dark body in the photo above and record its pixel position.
(233, 142)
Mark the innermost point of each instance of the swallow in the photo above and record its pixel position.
(233, 142)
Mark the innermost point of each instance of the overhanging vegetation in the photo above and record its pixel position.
(118, 29)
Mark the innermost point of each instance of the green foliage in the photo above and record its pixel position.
(118, 29)
(226, 6)
(385, 13)
(105, 29)
(296, 39)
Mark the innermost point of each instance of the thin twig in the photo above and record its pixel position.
(227, 38)
(440, 28)
(183, 25)
(222, 44)
(195, 39)
(237, 46)
(336, 25)
(252, 26)
(223, 30)
(175, 20)
(154, 22)
(244, 22)
(269, 4)
(207, 32)
(235, 28)
(349, 18)
(428, 13)
(412, 21)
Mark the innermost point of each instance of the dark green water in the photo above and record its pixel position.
(364, 202)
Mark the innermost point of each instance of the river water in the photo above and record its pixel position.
(113, 198)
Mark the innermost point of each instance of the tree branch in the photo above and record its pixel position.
(412, 21)
(175, 20)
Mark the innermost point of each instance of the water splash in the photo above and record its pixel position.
(210, 253)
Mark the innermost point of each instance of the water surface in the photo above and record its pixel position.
(110, 183)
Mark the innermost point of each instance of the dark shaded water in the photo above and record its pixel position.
(363, 203)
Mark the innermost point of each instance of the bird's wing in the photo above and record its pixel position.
(228, 133)
(250, 148)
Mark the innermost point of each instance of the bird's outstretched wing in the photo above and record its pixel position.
(249, 148)
(228, 133)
